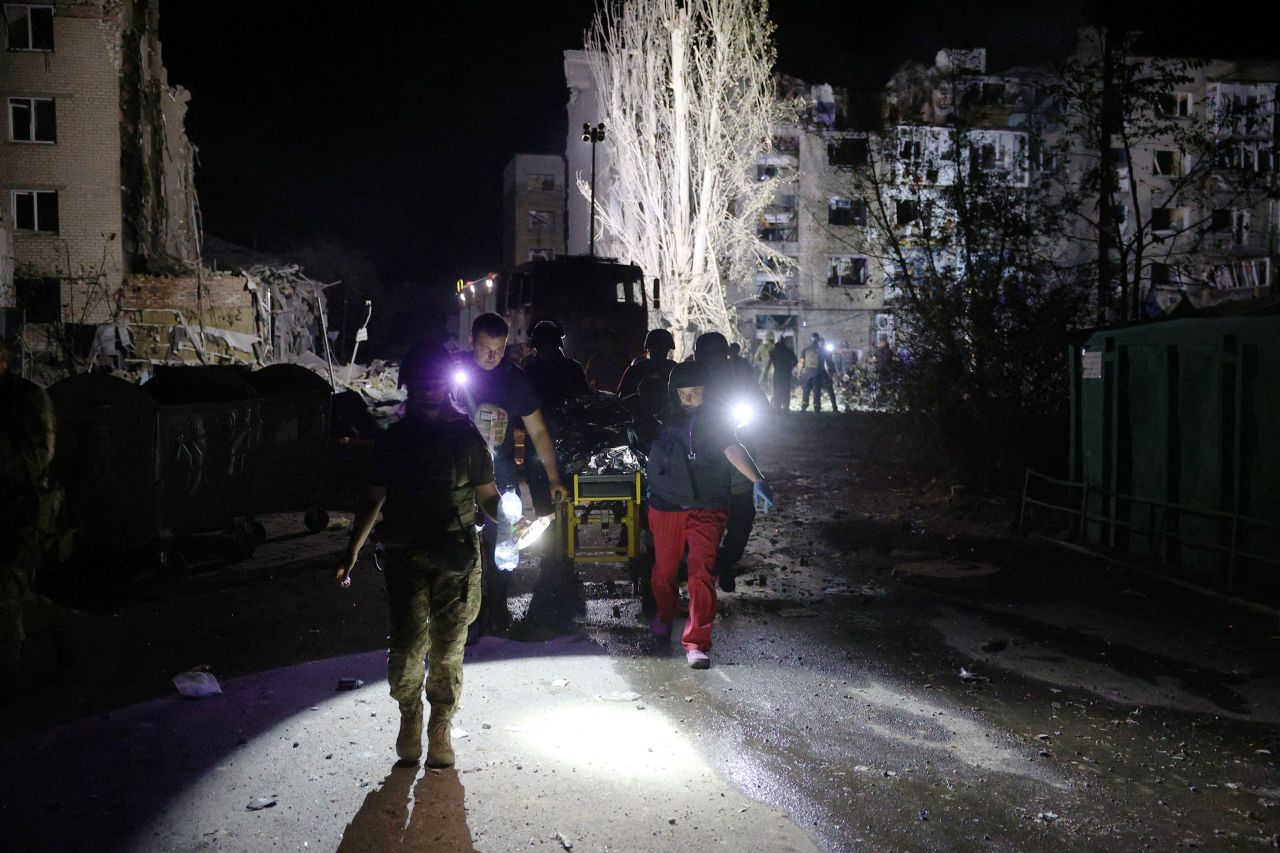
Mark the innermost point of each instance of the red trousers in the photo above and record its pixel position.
(700, 529)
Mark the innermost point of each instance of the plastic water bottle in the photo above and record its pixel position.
(507, 554)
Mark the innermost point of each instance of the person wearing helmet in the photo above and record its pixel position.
(554, 376)
(555, 379)
(782, 361)
(732, 384)
(688, 476)
(431, 472)
(658, 346)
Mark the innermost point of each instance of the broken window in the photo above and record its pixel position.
(992, 94)
(32, 120)
(1174, 104)
(910, 150)
(541, 220)
(1220, 220)
(1240, 227)
(766, 171)
(777, 234)
(1160, 274)
(848, 152)
(846, 271)
(541, 254)
(30, 27)
(1166, 162)
(846, 211)
(40, 298)
(771, 291)
(1168, 218)
(35, 210)
(542, 182)
(908, 211)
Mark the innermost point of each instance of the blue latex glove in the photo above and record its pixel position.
(763, 495)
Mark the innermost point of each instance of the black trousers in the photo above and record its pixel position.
(742, 517)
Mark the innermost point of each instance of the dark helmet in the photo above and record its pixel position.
(425, 363)
(546, 332)
(687, 374)
(711, 345)
(815, 337)
(659, 339)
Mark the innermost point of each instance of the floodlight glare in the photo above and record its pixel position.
(459, 377)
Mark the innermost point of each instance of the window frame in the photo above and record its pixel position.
(52, 10)
(857, 276)
(31, 101)
(541, 220)
(35, 211)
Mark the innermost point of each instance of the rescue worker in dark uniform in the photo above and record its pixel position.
(826, 381)
(496, 392)
(811, 373)
(555, 379)
(431, 471)
(658, 346)
(28, 507)
(782, 360)
(731, 382)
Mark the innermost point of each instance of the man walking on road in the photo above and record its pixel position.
(497, 392)
(431, 471)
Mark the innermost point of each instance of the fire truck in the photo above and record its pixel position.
(591, 298)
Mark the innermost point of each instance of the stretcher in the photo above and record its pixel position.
(601, 502)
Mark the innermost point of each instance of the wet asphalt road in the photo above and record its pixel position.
(1033, 701)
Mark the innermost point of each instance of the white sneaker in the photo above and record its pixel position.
(698, 659)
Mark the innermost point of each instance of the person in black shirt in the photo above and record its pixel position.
(658, 346)
(496, 393)
(555, 379)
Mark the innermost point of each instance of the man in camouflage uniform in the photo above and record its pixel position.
(28, 505)
(430, 472)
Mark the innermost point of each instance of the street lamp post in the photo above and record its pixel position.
(593, 135)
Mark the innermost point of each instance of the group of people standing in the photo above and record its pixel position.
(777, 365)
(444, 466)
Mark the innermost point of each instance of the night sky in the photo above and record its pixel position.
(386, 127)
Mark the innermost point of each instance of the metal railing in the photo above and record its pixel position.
(1158, 514)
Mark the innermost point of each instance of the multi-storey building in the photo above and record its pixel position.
(533, 209)
(95, 168)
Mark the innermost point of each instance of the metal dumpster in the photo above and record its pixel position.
(195, 450)
(293, 440)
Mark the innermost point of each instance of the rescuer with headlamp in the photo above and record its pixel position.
(732, 388)
(688, 475)
(496, 393)
(431, 471)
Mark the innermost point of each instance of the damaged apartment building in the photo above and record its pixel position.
(100, 256)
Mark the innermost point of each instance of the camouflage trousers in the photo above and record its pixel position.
(430, 610)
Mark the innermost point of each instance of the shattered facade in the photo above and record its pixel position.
(97, 175)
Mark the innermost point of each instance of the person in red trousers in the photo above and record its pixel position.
(688, 480)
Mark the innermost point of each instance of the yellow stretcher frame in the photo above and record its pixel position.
(600, 493)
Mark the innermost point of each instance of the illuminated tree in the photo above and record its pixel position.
(689, 102)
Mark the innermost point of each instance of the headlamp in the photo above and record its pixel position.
(742, 414)
(460, 377)
(829, 347)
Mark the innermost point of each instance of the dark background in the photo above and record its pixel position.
(381, 130)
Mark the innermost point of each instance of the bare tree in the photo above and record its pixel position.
(688, 95)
